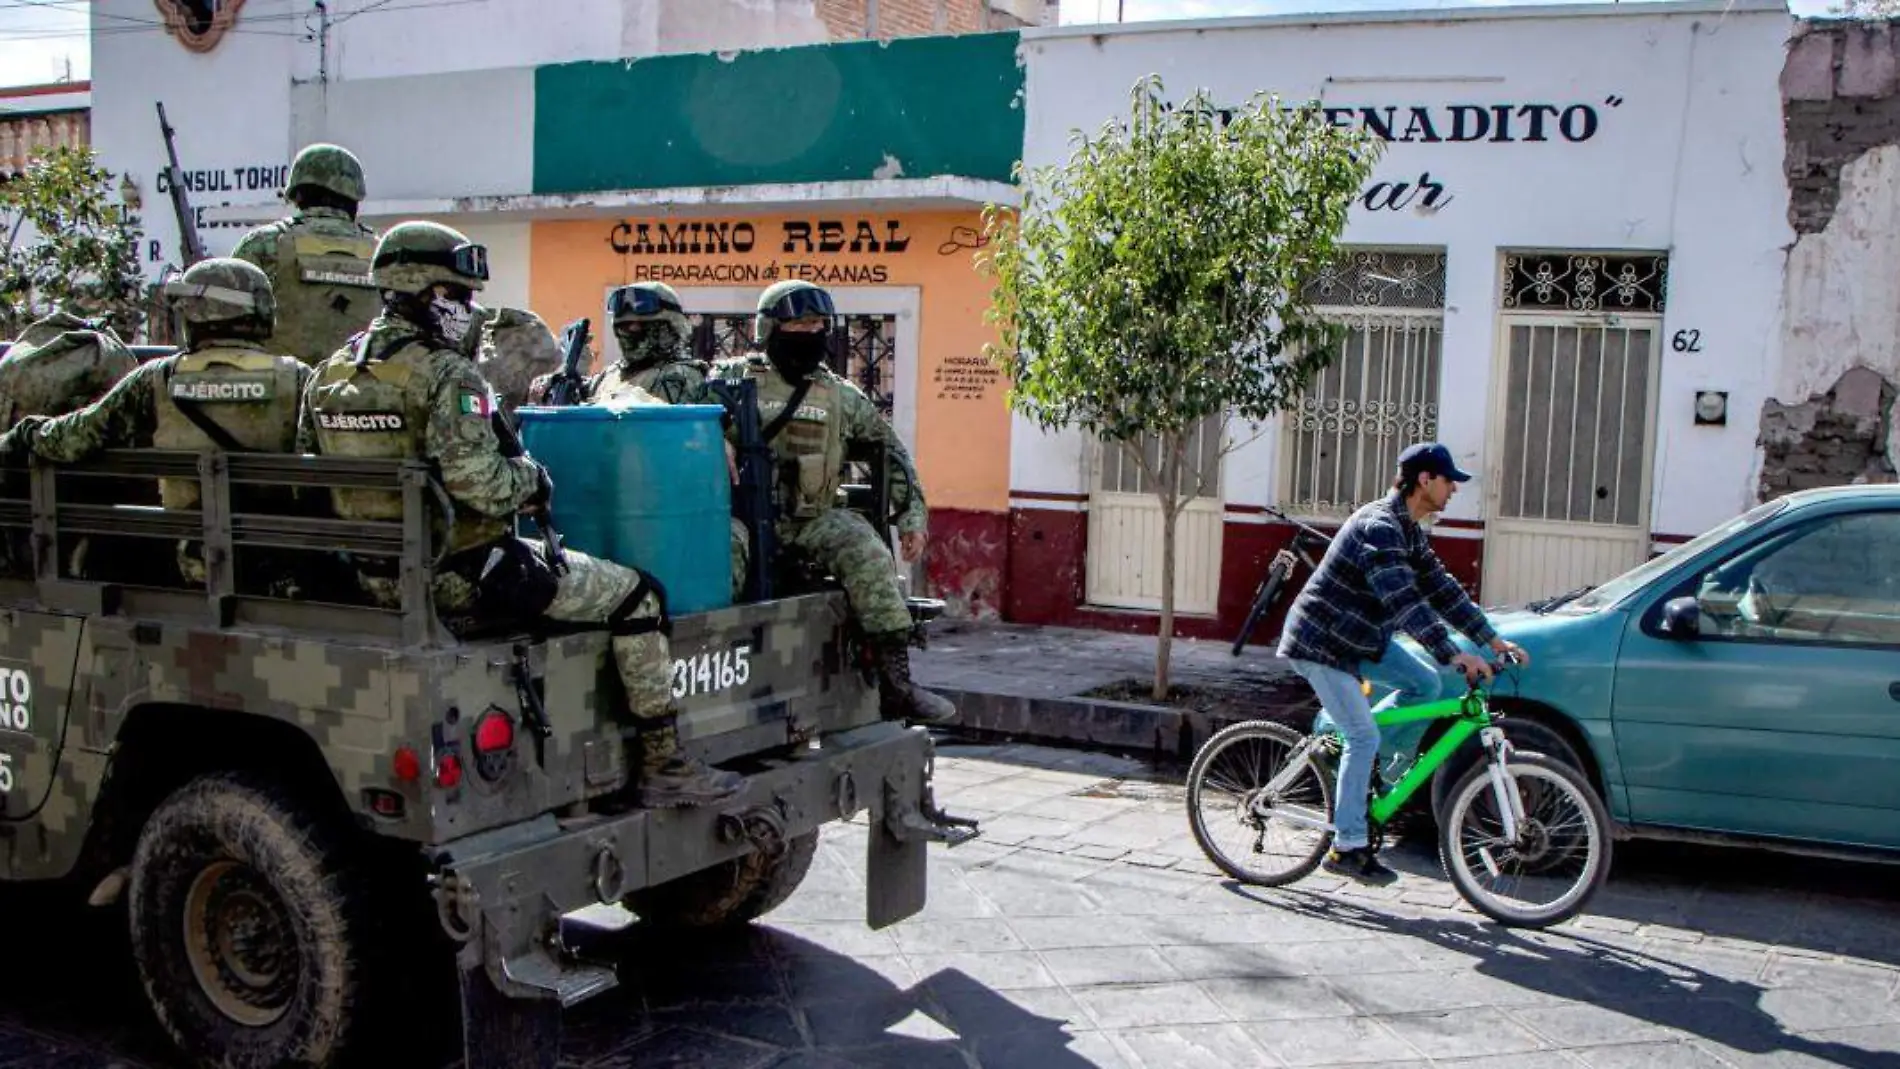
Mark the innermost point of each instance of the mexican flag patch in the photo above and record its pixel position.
(476, 404)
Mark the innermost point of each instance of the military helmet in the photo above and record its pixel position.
(223, 296)
(785, 301)
(646, 301)
(415, 255)
(330, 167)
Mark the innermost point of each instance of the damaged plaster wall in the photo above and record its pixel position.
(1829, 417)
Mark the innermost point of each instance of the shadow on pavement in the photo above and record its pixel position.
(1576, 967)
(755, 997)
(738, 998)
(1824, 906)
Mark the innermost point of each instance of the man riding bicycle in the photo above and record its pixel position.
(1380, 577)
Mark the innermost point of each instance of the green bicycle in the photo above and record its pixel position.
(1517, 824)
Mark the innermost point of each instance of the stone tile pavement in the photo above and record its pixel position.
(1084, 929)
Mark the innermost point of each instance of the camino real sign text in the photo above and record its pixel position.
(700, 242)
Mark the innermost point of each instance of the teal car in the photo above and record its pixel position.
(1744, 686)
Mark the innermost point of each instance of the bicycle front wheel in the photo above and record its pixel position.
(1259, 836)
(1559, 858)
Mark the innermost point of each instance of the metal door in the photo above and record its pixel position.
(1572, 437)
(1124, 547)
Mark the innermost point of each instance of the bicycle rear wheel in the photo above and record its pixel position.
(1226, 785)
(1561, 854)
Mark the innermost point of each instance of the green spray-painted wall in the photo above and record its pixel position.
(912, 108)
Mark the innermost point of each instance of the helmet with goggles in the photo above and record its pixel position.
(414, 256)
(784, 302)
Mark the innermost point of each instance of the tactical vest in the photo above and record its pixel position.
(379, 409)
(809, 448)
(248, 393)
(615, 383)
(322, 284)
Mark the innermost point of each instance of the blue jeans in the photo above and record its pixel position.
(1413, 679)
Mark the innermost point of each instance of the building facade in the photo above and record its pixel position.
(600, 142)
(1567, 266)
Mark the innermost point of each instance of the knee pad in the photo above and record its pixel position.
(622, 620)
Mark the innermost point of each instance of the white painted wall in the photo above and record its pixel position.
(462, 134)
(230, 108)
(1686, 157)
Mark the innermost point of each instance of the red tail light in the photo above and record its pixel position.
(448, 771)
(495, 733)
(406, 765)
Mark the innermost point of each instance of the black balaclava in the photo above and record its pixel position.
(796, 354)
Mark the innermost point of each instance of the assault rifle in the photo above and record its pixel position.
(542, 514)
(566, 387)
(192, 245)
(753, 503)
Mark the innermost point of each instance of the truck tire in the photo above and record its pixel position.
(730, 893)
(249, 932)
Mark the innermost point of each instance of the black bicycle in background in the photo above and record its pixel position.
(1307, 547)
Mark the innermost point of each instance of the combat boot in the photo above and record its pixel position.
(670, 779)
(898, 697)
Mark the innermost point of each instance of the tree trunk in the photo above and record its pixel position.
(1170, 511)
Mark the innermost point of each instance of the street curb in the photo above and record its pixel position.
(1158, 733)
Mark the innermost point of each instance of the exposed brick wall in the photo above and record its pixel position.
(847, 19)
(1839, 99)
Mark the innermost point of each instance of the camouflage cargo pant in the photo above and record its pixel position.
(588, 593)
(845, 544)
(741, 550)
(591, 589)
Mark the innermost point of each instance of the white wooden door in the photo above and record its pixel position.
(1573, 430)
(1124, 547)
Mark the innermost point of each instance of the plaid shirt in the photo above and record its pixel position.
(1380, 576)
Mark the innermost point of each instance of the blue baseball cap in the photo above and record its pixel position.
(1432, 459)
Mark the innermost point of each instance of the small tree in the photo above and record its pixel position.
(68, 245)
(1154, 281)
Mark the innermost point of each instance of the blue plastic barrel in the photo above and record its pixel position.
(644, 485)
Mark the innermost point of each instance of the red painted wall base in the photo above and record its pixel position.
(1047, 550)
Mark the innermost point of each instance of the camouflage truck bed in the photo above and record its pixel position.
(497, 767)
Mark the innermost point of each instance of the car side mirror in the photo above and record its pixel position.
(1682, 617)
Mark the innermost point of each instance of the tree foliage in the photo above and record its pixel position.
(1154, 280)
(68, 245)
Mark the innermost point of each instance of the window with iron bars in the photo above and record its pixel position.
(1380, 392)
(863, 349)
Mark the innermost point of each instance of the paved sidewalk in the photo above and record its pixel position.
(1084, 929)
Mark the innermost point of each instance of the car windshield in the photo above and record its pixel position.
(1623, 585)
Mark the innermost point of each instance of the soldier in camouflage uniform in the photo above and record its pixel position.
(317, 257)
(408, 388)
(810, 415)
(58, 364)
(656, 354)
(517, 350)
(224, 391)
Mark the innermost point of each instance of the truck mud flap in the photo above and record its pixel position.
(903, 825)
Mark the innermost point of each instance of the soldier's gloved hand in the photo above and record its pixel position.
(543, 490)
(911, 544)
(16, 445)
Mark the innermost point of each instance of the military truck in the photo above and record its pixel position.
(298, 801)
